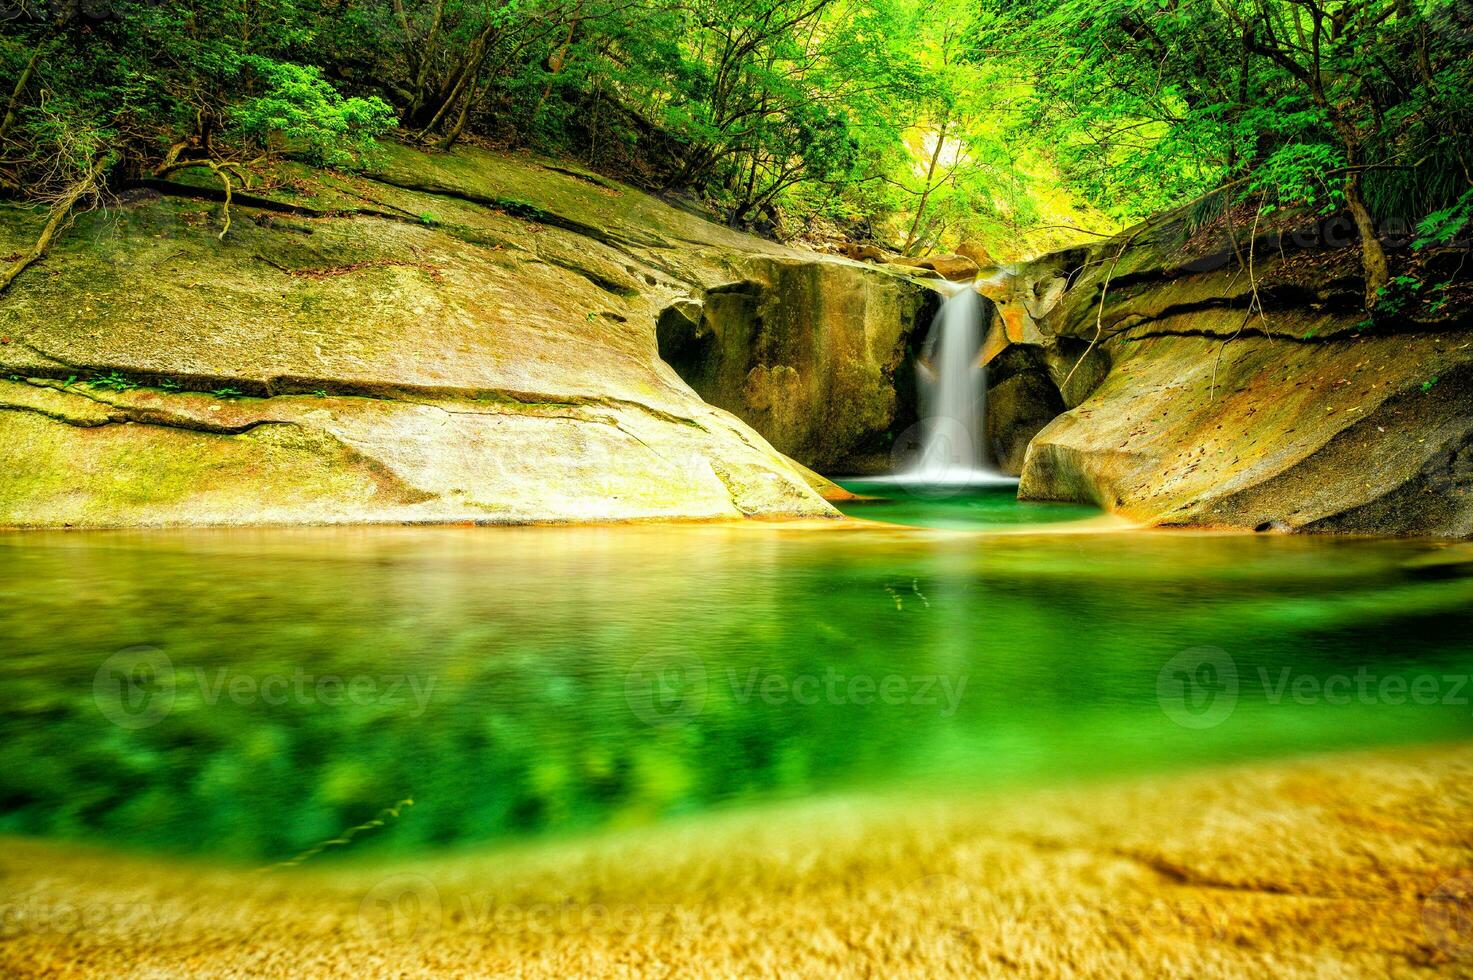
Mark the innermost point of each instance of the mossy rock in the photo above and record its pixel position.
(466, 336)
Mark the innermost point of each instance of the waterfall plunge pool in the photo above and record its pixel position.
(246, 695)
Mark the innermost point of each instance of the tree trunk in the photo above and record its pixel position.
(910, 236)
(555, 63)
(60, 211)
(1373, 257)
(20, 88)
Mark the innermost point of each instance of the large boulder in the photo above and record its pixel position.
(978, 253)
(949, 265)
(818, 357)
(1239, 384)
(461, 337)
(1022, 398)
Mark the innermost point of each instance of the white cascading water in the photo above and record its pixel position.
(953, 390)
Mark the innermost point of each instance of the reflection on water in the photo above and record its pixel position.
(958, 505)
(250, 694)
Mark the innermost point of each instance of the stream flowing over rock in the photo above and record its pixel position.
(1224, 382)
(457, 337)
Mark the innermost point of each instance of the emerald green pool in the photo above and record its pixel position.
(248, 694)
(955, 508)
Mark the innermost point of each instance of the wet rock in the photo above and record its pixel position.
(1196, 413)
(957, 268)
(865, 253)
(977, 252)
(1017, 409)
(818, 357)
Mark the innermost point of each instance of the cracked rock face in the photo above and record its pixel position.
(1220, 398)
(818, 357)
(467, 337)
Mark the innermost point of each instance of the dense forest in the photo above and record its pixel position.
(909, 123)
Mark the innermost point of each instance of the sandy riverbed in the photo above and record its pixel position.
(1354, 864)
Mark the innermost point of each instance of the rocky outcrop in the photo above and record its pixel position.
(952, 266)
(462, 337)
(818, 357)
(1022, 398)
(978, 253)
(1229, 382)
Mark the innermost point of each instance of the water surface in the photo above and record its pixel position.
(248, 694)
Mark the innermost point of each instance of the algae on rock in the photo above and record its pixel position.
(818, 357)
(1222, 396)
(457, 337)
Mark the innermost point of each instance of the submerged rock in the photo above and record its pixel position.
(460, 337)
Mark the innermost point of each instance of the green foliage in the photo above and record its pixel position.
(773, 113)
(1442, 227)
(113, 381)
(215, 80)
(1312, 104)
(300, 112)
(1293, 174)
(914, 122)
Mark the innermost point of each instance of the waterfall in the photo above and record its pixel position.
(952, 380)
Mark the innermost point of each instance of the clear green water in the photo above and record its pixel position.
(249, 694)
(993, 508)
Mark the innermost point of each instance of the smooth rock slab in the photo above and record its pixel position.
(463, 337)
